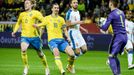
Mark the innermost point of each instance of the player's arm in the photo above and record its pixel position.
(69, 23)
(41, 30)
(64, 28)
(40, 17)
(106, 25)
(17, 25)
(82, 28)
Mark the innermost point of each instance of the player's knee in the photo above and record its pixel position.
(72, 54)
(77, 51)
(23, 49)
(56, 52)
(84, 50)
(69, 51)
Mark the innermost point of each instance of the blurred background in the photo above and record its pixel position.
(10, 10)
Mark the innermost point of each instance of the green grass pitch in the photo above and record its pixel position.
(92, 63)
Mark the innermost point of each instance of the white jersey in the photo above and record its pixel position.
(75, 35)
(129, 29)
(73, 16)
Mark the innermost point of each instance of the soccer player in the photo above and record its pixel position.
(73, 21)
(117, 19)
(55, 26)
(29, 34)
(129, 45)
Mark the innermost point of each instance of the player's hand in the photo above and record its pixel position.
(35, 25)
(80, 22)
(13, 34)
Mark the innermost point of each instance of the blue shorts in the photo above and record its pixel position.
(61, 44)
(34, 41)
(118, 43)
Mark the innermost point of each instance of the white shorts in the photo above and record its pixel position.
(77, 39)
(130, 37)
(129, 45)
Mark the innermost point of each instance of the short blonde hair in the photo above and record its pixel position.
(32, 2)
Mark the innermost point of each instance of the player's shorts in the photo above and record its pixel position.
(34, 41)
(59, 43)
(117, 44)
(132, 38)
(129, 45)
(77, 39)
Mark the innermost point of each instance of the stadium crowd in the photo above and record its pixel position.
(9, 9)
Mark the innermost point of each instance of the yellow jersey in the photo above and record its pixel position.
(26, 20)
(54, 26)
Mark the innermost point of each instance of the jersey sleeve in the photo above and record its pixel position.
(63, 23)
(45, 22)
(40, 17)
(68, 15)
(107, 23)
(17, 25)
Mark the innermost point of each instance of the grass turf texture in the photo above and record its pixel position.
(92, 63)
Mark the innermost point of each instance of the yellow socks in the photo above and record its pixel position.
(59, 63)
(71, 61)
(24, 58)
(44, 60)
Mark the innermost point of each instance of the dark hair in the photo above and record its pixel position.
(114, 2)
(54, 3)
(70, 1)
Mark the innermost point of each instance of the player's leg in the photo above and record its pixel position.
(64, 47)
(24, 46)
(36, 43)
(74, 42)
(82, 43)
(129, 48)
(71, 59)
(113, 60)
(77, 52)
(53, 44)
(44, 61)
(58, 60)
(117, 46)
(84, 49)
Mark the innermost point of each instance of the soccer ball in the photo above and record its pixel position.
(102, 21)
